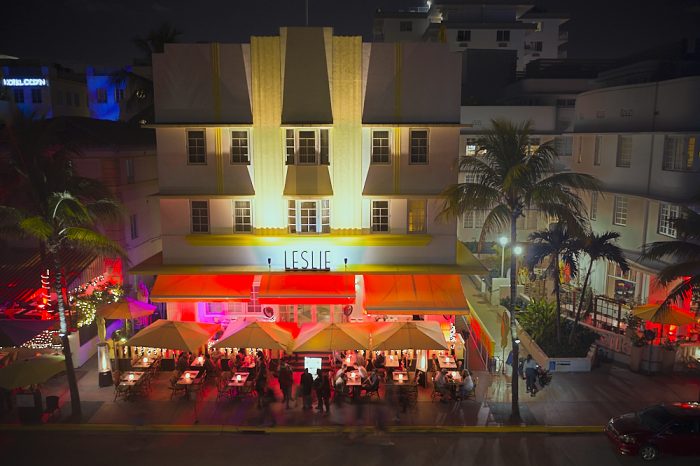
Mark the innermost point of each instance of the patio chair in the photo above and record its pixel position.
(372, 390)
(222, 389)
(120, 391)
(53, 410)
(176, 389)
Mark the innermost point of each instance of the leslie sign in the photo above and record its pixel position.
(307, 260)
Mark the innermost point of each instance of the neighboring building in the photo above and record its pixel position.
(301, 178)
(123, 94)
(640, 140)
(478, 25)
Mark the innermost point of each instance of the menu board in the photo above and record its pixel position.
(312, 364)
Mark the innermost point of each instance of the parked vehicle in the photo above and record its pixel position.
(672, 429)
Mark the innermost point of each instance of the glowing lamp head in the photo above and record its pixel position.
(145, 360)
(238, 377)
(503, 241)
(131, 376)
(518, 250)
(400, 376)
(201, 359)
(187, 375)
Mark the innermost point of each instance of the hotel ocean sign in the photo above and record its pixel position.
(25, 82)
(307, 260)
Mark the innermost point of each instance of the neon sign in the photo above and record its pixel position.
(24, 82)
(307, 260)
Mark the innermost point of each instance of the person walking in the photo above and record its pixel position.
(260, 381)
(323, 391)
(307, 384)
(286, 379)
(530, 369)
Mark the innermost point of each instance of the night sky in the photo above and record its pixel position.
(100, 31)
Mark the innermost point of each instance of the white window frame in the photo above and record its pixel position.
(129, 170)
(412, 148)
(322, 152)
(564, 146)
(593, 214)
(133, 226)
(239, 145)
(466, 35)
(188, 147)
(667, 212)
(420, 225)
(503, 35)
(678, 153)
(297, 221)
(379, 212)
(474, 219)
(375, 147)
(598, 142)
(624, 152)
(246, 223)
(206, 216)
(620, 211)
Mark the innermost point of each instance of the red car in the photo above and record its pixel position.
(666, 428)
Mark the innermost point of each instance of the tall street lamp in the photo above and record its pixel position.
(503, 241)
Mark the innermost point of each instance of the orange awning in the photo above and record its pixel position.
(202, 288)
(414, 294)
(322, 288)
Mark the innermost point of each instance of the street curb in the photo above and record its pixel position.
(225, 429)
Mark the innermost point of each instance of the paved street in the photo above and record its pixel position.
(313, 449)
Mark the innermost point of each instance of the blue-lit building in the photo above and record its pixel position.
(121, 94)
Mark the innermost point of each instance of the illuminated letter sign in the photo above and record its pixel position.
(307, 260)
(24, 82)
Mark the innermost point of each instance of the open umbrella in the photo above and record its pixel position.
(670, 315)
(176, 335)
(31, 371)
(255, 334)
(328, 337)
(413, 335)
(14, 332)
(127, 309)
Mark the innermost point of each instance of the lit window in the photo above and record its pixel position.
(309, 216)
(200, 216)
(667, 212)
(405, 26)
(563, 145)
(19, 96)
(242, 220)
(678, 153)
(474, 219)
(289, 146)
(597, 149)
(196, 147)
(133, 226)
(36, 96)
(417, 213)
(239, 147)
(593, 214)
(101, 95)
(380, 146)
(464, 35)
(470, 149)
(624, 152)
(419, 146)
(118, 95)
(502, 36)
(380, 216)
(307, 147)
(620, 211)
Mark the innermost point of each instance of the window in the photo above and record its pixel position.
(242, 220)
(118, 95)
(620, 211)
(200, 216)
(196, 147)
(593, 214)
(129, 169)
(597, 149)
(36, 96)
(470, 148)
(380, 146)
(101, 95)
(464, 36)
(417, 213)
(678, 153)
(19, 96)
(307, 147)
(474, 219)
(133, 226)
(380, 216)
(502, 36)
(406, 26)
(303, 216)
(624, 152)
(667, 212)
(239, 147)
(419, 146)
(563, 145)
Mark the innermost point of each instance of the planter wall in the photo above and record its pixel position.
(555, 364)
(83, 352)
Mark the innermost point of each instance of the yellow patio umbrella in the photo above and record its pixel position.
(127, 309)
(410, 335)
(255, 334)
(31, 371)
(176, 335)
(329, 337)
(670, 315)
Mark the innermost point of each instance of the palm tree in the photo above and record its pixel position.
(684, 251)
(556, 244)
(597, 247)
(69, 224)
(155, 41)
(508, 178)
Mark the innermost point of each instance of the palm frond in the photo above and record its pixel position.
(679, 250)
(105, 210)
(67, 209)
(675, 271)
(497, 220)
(683, 290)
(85, 238)
(37, 227)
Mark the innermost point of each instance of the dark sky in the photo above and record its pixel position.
(100, 31)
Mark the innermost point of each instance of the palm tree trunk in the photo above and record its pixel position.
(515, 406)
(580, 303)
(557, 294)
(76, 411)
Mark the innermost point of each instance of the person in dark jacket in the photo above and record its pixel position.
(286, 379)
(260, 382)
(307, 384)
(322, 384)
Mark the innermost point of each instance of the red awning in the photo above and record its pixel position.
(414, 294)
(202, 288)
(295, 288)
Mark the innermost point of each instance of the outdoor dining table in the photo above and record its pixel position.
(187, 379)
(391, 361)
(455, 376)
(238, 379)
(354, 379)
(400, 377)
(447, 362)
(130, 379)
(198, 362)
(143, 363)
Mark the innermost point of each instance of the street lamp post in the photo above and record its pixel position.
(503, 241)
